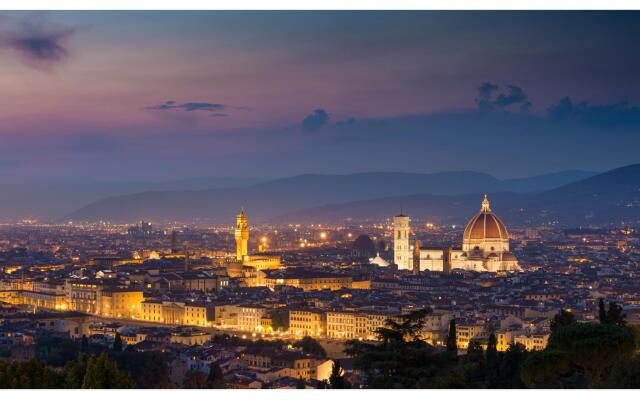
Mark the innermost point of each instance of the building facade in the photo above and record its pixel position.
(485, 247)
(401, 249)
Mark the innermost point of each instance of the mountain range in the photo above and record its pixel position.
(332, 198)
(612, 198)
(51, 200)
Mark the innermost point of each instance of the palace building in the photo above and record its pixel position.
(485, 247)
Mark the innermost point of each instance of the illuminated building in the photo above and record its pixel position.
(199, 281)
(287, 363)
(250, 318)
(85, 296)
(307, 322)
(355, 325)
(485, 247)
(468, 331)
(533, 342)
(190, 337)
(242, 236)
(260, 262)
(121, 303)
(401, 249)
(178, 313)
(306, 279)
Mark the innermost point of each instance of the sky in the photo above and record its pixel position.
(120, 96)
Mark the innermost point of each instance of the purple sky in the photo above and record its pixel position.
(141, 95)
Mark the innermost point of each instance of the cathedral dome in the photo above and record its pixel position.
(485, 225)
(363, 246)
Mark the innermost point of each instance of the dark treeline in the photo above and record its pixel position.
(67, 364)
(579, 355)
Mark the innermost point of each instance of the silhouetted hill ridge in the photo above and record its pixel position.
(267, 200)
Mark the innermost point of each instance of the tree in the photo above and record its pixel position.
(602, 312)
(452, 344)
(195, 380)
(117, 343)
(491, 360)
(543, 370)
(149, 369)
(510, 367)
(56, 351)
(474, 351)
(579, 349)
(312, 346)
(280, 320)
(562, 318)
(492, 349)
(615, 315)
(624, 375)
(32, 374)
(215, 380)
(300, 384)
(400, 358)
(336, 380)
(85, 344)
(103, 373)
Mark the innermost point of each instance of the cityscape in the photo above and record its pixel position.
(242, 256)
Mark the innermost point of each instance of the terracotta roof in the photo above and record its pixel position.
(485, 225)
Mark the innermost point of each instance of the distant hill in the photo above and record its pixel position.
(610, 197)
(55, 199)
(267, 200)
(546, 181)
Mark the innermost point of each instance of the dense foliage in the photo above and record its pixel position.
(87, 372)
(65, 363)
(579, 355)
(311, 346)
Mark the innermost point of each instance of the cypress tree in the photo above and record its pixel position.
(300, 384)
(117, 343)
(85, 344)
(602, 312)
(452, 345)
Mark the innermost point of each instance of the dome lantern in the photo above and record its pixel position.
(485, 205)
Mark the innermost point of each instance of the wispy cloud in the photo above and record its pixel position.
(189, 106)
(513, 97)
(37, 42)
(214, 109)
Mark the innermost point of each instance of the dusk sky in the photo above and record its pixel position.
(118, 96)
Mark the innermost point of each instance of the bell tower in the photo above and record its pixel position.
(242, 236)
(401, 250)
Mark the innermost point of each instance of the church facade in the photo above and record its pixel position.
(485, 247)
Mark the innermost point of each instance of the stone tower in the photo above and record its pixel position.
(242, 236)
(401, 250)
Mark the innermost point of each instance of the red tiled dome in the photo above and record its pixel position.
(485, 225)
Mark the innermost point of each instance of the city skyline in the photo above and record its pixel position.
(97, 96)
(319, 200)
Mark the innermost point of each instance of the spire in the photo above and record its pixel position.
(485, 205)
